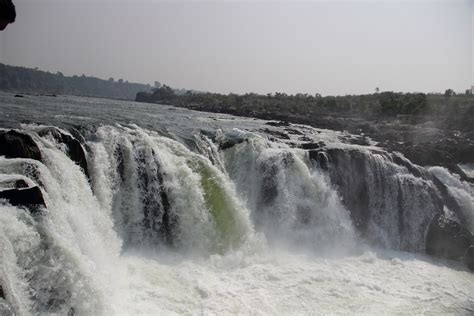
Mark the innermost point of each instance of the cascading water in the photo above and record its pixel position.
(224, 221)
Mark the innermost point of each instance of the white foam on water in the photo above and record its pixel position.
(282, 283)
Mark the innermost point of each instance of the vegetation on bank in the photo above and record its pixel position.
(455, 111)
(36, 81)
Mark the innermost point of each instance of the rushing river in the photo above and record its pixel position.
(184, 212)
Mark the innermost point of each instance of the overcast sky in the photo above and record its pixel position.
(327, 47)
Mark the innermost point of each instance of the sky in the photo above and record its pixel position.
(326, 47)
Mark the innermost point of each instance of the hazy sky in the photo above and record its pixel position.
(330, 47)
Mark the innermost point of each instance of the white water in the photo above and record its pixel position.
(234, 250)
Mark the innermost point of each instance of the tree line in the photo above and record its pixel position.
(302, 108)
(36, 81)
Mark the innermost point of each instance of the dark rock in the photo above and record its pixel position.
(448, 200)
(348, 171)
(14, 144)
(278, 124)
(293, 131)
(230, 142)
(454, 168)
(13, 184)
(355, 139)
(312, 145)
(269, 170)
(305, 139)
(19, 96)
(320, 157)
(277, 134)
(74, 147)
(469, 257)
(399, 160)
(445, 152)
(29, 197)
(447, 238)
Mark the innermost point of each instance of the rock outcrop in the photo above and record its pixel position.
(14, 144)
(74, 148)
(32, 198)
(447, 238)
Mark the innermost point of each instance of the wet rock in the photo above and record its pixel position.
(348, 172)
(443, 152)
(276, 134)
(229, 143)
(73, 146)
(32, 198)
(450, 201)
(312, 145)
(269, 170)
(447, 238)
(469, 258)
(14, 144)
(13, 184)
(293, 131)
(401, 161)
(320, 157)
(278, 124)
(305, 139)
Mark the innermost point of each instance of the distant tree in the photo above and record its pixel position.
(120, 80)
(449, 93)
(111, 79)
(468, 92)
(157, 84)
(377, 90)
(31, 80)
(164, 93)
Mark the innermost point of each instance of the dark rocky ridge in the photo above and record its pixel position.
(447, 238)
(32, 198)
(74, 148)
(14, 144)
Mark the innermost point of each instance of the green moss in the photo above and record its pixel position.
(221, 208)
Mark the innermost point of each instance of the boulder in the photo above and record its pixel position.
(31, 198)
(447, 238)
(14, 144)
(73, 146)
(469, 257)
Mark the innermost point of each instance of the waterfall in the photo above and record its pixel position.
(229, 192)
